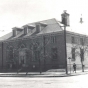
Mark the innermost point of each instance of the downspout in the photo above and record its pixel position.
(2, 55)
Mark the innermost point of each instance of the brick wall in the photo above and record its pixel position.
(43, 45)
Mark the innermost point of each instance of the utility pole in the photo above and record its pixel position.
(65, 49)
(65, 21)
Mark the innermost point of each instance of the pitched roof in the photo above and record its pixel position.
(52, 26)
(7, 36)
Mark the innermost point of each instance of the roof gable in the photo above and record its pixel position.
(47, 26)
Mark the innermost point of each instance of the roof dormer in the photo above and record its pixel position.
(40, 26)
(27, 28)
(16, 31)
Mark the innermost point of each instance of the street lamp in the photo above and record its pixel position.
(65, 21)
(65, 18)
(82, 49)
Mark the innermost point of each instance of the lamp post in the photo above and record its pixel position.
(82, 49)
(65, 21)
(70, 63)
(40, 66)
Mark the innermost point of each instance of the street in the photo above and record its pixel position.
(79, 81)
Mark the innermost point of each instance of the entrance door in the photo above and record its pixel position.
(22, 57)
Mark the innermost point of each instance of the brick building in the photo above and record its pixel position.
(40, 45)
(77, 49)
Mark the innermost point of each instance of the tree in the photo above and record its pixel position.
(81, 49)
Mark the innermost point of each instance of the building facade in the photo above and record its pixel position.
(34, 46)
(77, 50)
(40, 46)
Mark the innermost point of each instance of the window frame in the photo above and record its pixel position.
(72, 39)
(73, 54)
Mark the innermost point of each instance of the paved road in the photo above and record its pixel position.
(80, 81)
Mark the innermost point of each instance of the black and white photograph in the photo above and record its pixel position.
(43, 43)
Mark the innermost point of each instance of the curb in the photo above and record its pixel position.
(41, 75)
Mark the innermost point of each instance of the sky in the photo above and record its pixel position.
(16, 13)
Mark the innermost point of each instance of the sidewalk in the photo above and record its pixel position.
(43, 74)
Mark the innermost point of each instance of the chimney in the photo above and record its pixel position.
(38, 27)
(25, 30)
(14, 31)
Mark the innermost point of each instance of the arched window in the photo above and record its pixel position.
(22, 55)
(22, 46)
(36, 51)
(9, 55)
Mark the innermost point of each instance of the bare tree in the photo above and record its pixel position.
(80, 50)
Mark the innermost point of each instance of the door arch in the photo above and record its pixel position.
(22, 55)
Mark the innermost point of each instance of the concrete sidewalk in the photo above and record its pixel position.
(43, 74)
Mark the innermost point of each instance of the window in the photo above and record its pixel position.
(10, 53)
(73, 39)
(22, 59)
(82, 54)
(73, 54)
(81, 41)
(54, 53)
(36, 53)
(22, 46)
(54, 40)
